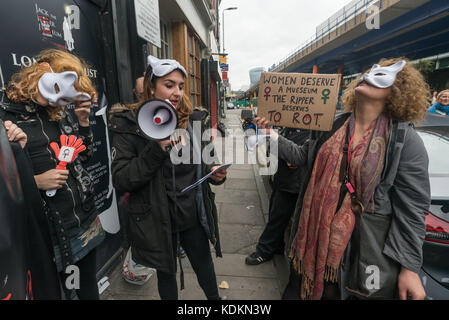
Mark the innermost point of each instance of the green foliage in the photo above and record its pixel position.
(426, 67)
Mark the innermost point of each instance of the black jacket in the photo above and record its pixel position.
(73, 207)
(25, 247)
(137, 169)
(288, 178)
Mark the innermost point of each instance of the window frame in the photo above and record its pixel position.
(194, 65)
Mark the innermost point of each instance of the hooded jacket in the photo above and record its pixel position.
(137, 168)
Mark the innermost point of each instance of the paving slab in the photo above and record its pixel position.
(216, 189)
(240, 214)
(240, 184)
(240, 174)
(247, 197)
(240, 239)
(247, 288)
(241, 166)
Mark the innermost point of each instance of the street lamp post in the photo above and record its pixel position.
(223, 34)
(231, 8)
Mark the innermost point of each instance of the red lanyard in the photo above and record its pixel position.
(356, 204)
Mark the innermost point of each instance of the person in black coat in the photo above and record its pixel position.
(27, 270)
(36, 100)
(286, 184)
(142, 167)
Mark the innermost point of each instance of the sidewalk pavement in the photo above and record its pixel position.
(242, 204)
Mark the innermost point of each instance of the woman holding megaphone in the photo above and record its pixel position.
(359, 226)
(36, 100)
(161, 217)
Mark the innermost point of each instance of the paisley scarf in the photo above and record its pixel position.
(323, 234)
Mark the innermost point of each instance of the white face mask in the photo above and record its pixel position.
(67, 93)
(163, 67)
(382, 77)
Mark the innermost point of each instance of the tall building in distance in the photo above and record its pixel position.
(254, 74)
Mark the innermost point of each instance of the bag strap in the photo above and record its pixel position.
(398, 136)
(343, 168)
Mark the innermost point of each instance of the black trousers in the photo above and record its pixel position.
(196, 245)
(282, 206)
(88, 289)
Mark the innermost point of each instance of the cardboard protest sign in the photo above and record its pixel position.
(299, 100)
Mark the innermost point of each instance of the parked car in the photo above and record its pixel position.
(434, 131)
(230, 105)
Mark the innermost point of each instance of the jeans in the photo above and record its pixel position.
(196, 246)
(282, 206)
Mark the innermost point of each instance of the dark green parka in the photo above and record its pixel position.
(137, 169)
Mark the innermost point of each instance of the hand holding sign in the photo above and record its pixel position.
(263, 124)
(70, 147)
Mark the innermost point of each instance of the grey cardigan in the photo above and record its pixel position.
(403, 192)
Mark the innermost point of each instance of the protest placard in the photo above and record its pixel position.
(299, 100)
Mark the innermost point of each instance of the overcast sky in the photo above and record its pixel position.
(262, 32)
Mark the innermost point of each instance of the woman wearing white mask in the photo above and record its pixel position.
(142, 167)
(36, 101)
(359, 225)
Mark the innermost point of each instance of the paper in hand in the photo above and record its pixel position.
(200, 181)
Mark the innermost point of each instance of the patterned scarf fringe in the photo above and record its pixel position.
(331, 274)
(307, 284)
(294, 259)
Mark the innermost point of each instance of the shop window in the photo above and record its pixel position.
(194, 69)
(164, 51)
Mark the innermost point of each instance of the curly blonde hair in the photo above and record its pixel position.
(409, 98)
(23, 86)
(184, 109)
